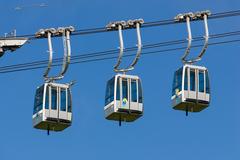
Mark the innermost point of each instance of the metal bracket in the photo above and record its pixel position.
(193, 16)
(115, 25)
(71, 83)
(200, 15)
(11, 44)
(65, 33)
(120, 25)
(134, 23)
(187, 17)
(183, 17)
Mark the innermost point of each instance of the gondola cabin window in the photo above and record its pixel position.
(38, 105)
(54, 98)
(109, 91)
(63, 100)
(134, 90)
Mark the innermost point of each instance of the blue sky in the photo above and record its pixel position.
(162, 133)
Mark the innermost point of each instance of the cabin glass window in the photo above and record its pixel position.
(118, 89)
(109, 96)
(140, 94)
(38, 103)
(134, 90)
(186, 79)
(124, 89)
(69, 101)
(201, 81)
(192, 80)
(54, 98)
(63, 100)
(47, 99)
(177, 81)
(207, 83)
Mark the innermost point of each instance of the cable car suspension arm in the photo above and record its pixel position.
(120, 25)
(187, 18)
(65, 33)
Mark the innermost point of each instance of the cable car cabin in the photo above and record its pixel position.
(52, 107)
(124, 98)
(191, 90)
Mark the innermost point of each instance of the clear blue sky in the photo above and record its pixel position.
(162, 133)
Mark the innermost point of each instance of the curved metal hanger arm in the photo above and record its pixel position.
(198, 15)
(206, 37)
(67, 50)
(189, 40)
(121, 25)
(65, 32)
(49, 33)
(121, 48)
(139, 45)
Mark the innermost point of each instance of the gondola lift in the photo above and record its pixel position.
(124, 97)
(191, 89)
(53, 101)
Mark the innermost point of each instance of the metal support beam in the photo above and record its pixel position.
(11, 44)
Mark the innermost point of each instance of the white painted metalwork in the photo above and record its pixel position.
(55, 117)
(124, 99)
(191, 90)
(120, 25)
(11, 44)
(188, 17)
(65, 32)
(52, 107)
